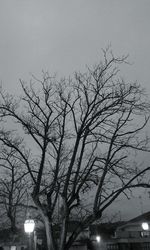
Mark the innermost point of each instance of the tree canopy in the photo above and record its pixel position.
(75, 137)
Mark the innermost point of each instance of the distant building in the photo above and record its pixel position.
(128, 235)
(19, 240)
(103, 236)
(11, 241)
(131, 234)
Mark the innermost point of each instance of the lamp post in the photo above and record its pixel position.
(29, 226)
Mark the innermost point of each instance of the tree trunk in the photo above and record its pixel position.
(63, 234)
(12, 223)
(50, 241)
(47, 224)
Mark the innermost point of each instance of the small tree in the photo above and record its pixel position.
(83, 131)
(13, 193)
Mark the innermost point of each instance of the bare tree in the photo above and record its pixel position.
(13, 193)
(78, 136)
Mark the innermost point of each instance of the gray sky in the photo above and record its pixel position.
(63, 36)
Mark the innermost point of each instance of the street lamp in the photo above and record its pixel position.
(145, 226)
(98, 239)
(29, 226)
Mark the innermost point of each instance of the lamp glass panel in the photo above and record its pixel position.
(29, 226)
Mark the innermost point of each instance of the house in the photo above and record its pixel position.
(132, 235)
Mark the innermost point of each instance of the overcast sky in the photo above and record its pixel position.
(64, 35)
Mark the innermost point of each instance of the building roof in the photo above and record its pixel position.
(145, 217)
(141, 218)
